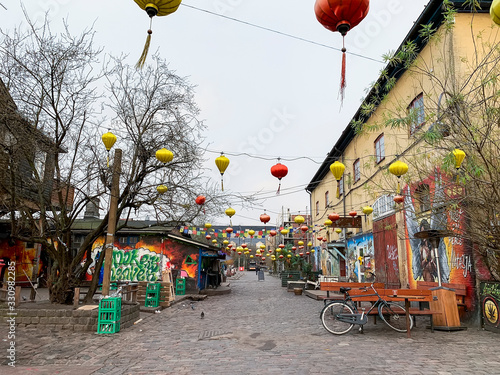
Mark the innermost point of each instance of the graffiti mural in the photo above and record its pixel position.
(453, 256)
(24, 255)
(147, 260)
(360, 258)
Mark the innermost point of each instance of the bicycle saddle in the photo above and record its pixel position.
(344, 289)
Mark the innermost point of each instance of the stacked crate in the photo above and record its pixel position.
(180, 287)
(167, 294)
(152, 295)
(141, 292)
(109, 315)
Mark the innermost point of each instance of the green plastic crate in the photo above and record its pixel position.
(108, 328)
(109, 315)
(180, 287)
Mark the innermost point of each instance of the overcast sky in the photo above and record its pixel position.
(263, 95)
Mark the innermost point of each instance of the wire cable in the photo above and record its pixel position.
(280, 33)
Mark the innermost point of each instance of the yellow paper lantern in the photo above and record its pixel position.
(251, 232)
(301, 243)
(495, 11)
(262, 246)
(154, 8)
(230, 212)
(284, 232)
(337, 169)
(214, 241)
(289, 256)
(222, 163)
(398, 168)
(459, 157)
(162, 189)
(208, 225)
(312, 251)
(338, 230)
(109, 140)
(367, 210)
(164, 155)
(328, 222)
(299, 219)
(309, 244)
(251, 256)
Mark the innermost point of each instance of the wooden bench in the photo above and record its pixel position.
(459, 289)
(355, 289)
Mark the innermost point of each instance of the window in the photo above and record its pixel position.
(379, 148)
(357, 173)
(129, 241)
(327, 199)
(317, 208)
(383, 206)
(422, 198)
(39, 164)
(416, 113)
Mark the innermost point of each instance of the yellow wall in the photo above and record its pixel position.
(447, 57)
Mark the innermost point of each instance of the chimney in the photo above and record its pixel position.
(92, 209)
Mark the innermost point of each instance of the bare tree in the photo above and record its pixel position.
(59, 91)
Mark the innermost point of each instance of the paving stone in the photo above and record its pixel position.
(259, 328)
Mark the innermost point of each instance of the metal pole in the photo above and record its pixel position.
(113, 208)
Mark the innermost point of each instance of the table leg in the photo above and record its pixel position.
(407, 308)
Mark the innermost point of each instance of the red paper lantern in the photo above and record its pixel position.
(281, 256)
(334, 216)
(200, 201)
(265, 218)
(353, 214)
(307, 253)
(301, 254)
(320, 238)
(230, 245)
(304, 228)
(341, 16)
(279, 171)
(229, 230)
(244, 245)
(208, 236)
(399, 199)
(281, 246)
(294, 248)
(272, 233)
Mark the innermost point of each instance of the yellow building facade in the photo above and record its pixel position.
(390, 125)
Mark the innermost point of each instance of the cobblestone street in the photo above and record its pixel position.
(258, 328)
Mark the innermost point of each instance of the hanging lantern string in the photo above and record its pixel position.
(343, 83)
(279, 187)
(145, 51)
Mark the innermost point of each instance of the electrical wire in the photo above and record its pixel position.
(280, 33)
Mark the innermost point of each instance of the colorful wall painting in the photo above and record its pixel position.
(360, 258)
(23, 255)
(147, 259)
(454, 257)
(490, 298)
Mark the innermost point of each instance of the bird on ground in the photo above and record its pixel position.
(202, 315)
(192, 306)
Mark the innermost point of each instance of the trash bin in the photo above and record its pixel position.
(261, 275)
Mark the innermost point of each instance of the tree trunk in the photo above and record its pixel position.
(60, 290)
(95, 279)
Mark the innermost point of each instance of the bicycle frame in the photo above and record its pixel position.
(358, 318)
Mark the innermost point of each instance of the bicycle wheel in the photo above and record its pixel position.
(329, 318)
(394, 315)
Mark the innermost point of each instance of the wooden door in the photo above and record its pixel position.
(385, 242)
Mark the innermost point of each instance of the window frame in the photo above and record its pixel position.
(379, 151)
(414, 127)
(356, 168)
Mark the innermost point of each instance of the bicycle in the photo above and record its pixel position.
(339, 317)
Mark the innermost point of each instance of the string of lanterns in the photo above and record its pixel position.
(397, 168)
